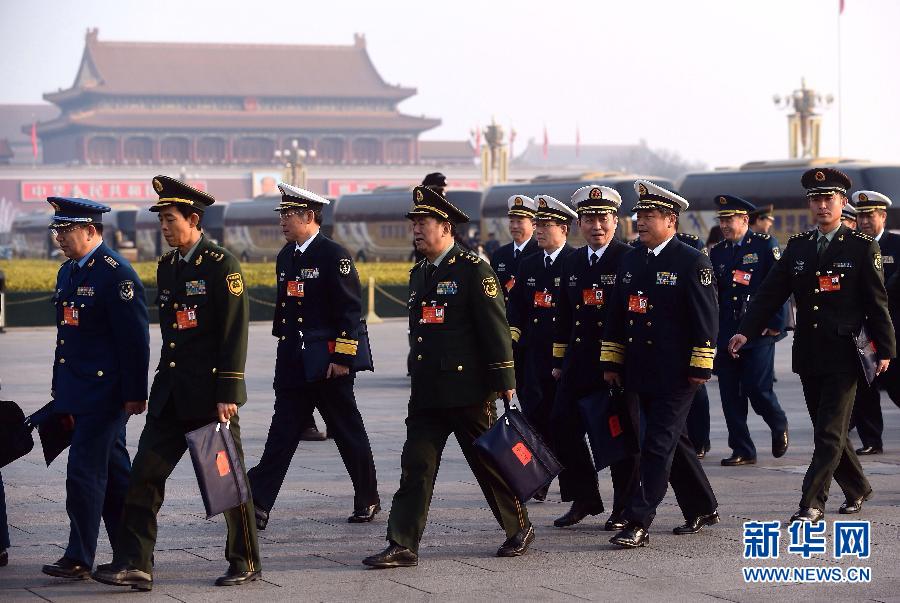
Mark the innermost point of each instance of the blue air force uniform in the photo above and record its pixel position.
(531, 313)
(318, 302)
(588, 278)
(867, 408)
(660, 331)
(740, 269)
(101, 359)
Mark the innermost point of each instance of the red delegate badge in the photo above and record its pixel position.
(637, 303)
(510, 284)
(186, 319)
(542, 299)
(295, 288)
(592, 297)
(830, 282)
(741, 277)
(433, 315)
(70, 316)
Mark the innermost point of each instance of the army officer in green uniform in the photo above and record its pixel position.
(203, 315)
(461, 362)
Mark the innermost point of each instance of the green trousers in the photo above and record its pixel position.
(829, 400)
(161, 446)
(427, 430)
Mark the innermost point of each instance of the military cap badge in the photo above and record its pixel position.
(642, 190)
(518, 201)
(419, 196)
(235, 283)
(863, 197)
(542, 202)
(596, 193)
(723, 201)
(820, 176)
(54, 205)
(157, 185)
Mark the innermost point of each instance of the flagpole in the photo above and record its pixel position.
(839, 86)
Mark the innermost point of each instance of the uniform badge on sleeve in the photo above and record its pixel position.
(126, 290)
(490, 286)
(235, 283)
(344, 266)
(776, 252)
(706, 277)
(877, 261)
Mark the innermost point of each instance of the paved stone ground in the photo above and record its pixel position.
(311, 553)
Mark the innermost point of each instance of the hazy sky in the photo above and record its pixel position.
(692, 76)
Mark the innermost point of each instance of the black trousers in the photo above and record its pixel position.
(829, 400)
(668, 457)
(698, 420)
(578, 480)
(336, 402)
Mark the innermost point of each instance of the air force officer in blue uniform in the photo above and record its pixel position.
(99, 374)
(741, 262)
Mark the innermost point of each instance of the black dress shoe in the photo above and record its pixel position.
(616, 523)
(779, 443)
(312, 434)
(364, 515)
(631, 537)
(810, 514)
(235, 577)
(517, 544)
(393, 556)
(123, 575)
(853, 506)
(578, 511)
(67, 568)
(735, 460)
(867, 450)
(694, 525)
(262, 517)
(4, 558)
(701, 454)
(541, 495)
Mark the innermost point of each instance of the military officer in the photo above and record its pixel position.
(506, 260)
(99, 374)
(741, 262)
(462, 363)
(531, 310)
(848, 217)
(871, 208)
(762, 219)
(836, 277)
(318, 302)
(657, 342)
(587, 279)
(203, 315)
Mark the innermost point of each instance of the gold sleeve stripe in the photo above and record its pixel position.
(231, 374)
(344, 348)
(500, 365)
(559, 350)
(515, 333)
(701, 362)
(347, 341)
(238, 377)
(611, 356)
(612, 344)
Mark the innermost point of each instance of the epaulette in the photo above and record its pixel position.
(800, 235)
(111, 261)
(472, 257)
(167, 255)
(214, 255)
(417, 266)
(719, 244)
(862, 235)
(763, 235)
(688, 235)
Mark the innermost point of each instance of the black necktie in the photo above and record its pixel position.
(179, 268)
(430, 269)
(74, 272)
(650, 255)
(822, 244)
(594, 259)
(516, 253)
(548, 261)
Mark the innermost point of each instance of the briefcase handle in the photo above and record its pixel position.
(508, 404)
(227, 425)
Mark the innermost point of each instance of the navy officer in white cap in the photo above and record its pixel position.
(659, 343)
(506, 260)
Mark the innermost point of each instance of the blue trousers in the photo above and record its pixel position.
(4, 528)
(748, 378)
(96, 481)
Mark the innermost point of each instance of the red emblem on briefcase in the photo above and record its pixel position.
(522, 453)
(222, 463)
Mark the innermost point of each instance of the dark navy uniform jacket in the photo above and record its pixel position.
(740, 270)
(531, 319)
(662, 323)
(890, 253)
(585, 294)
(330, 306)
(103, 335)
(505, 264)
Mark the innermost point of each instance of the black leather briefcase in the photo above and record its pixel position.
(518, 453)
(54, 430)
(220, 472)
(15, 433)
(868, 357)
(608, 424)
(316, 347)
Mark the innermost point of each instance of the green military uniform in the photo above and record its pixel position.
(204, 316)
(838, 287)
(461, 357)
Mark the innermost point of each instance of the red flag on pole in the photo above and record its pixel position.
(512, 140)
(478, 141)
(840, 7)
(34, 147)
(545, 150)
(577, 141)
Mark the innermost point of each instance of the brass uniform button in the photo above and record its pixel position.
(419, 339)
(62, 360)
(62, 341)
(419, 357)
(174, 325)
(175, 306)
(459, 368)
(172, 344)
(282, 338)
(99, 373)
(214, 370)
(578, 340)
(171, 365)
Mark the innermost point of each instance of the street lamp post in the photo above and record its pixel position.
(293, 158)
